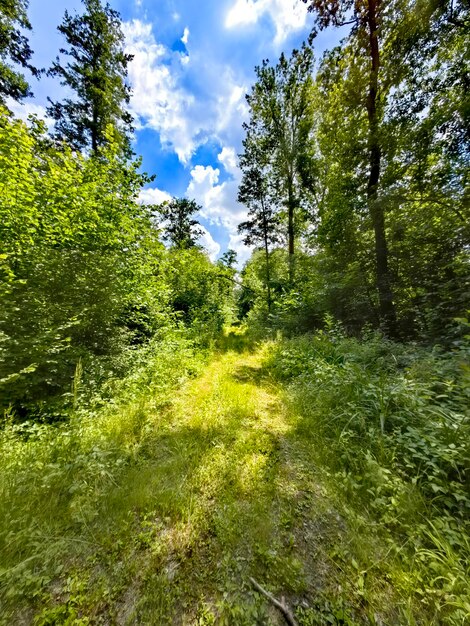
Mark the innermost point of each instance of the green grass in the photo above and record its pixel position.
(158, 510)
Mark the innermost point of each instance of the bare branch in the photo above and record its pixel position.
(282, 606)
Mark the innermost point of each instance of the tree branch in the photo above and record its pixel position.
(282, 606)
(232, 280)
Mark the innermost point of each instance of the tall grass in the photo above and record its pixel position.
(391, 422)
(54, 479)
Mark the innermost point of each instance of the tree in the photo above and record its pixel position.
(180, 229)
(97, 74)
(79, 268)
(400, 79)
(280, 104)
(367, 19)
(14, 47)
(255, 192)
(427, 124)
(228, 259)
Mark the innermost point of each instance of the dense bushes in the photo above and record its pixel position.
(392, 424)
(84, 277)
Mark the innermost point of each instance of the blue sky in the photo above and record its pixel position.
(193, 64)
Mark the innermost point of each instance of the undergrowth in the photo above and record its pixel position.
(391, 424)
(54, 478)
(331, 470)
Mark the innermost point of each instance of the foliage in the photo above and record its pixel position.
(79, 262)
(180, 229)
(229, 259)
(257, 193)
(281, 119)
(200, 292)
(14, 48)
(56, 479)
(334, 466)
(392, 423)
(97, 75)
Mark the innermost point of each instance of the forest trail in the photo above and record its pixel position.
(235, 496)
(169, 507)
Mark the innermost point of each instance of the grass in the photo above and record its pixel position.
(158, 511)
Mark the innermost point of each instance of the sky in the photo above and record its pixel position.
(193, 64)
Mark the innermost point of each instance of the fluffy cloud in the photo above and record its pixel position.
(206, 240)
(185, 37)
(24, 110)
(153, 195)
(161, 101)
(218, 200)
(158, 101)
(231, 109)
(286, 16)
(229, 160)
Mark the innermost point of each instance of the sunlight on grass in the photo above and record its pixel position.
(160, 512)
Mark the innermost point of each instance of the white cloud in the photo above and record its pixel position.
(161, 102)
(228, 158)
(286, 16)
(153, 195)
(158, 101)
(231, 107)
(206, 240)
(24, 110)
(244, 12)
(243, 252)
(218, 200)
(185, 37)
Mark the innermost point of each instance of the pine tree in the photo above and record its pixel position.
(180, 229)
(14, 47)
(97, 73)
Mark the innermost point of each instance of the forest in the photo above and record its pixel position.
(187, 441)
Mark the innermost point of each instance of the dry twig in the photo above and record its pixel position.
(281, 605)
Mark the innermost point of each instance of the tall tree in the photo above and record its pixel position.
(367, 21)
(392, 46)
(180, 228)
(228, 259)
(97, 73)
(428, 118)
(280, 103)
(256, 193)
(14, 48)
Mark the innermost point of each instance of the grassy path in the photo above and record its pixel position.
(160, 507)
(228, 494)
(218, 486)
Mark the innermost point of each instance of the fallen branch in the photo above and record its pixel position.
(282, 606)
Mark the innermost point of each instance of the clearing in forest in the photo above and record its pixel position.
(231, 492)
(220, 486)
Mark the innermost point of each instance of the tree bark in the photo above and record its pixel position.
(291, 228)
(384, 286)
(266, 251)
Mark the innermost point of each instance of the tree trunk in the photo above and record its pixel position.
(384, 288)
(94, 130)
(268, 275)
(266, 251)
(290, 228)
